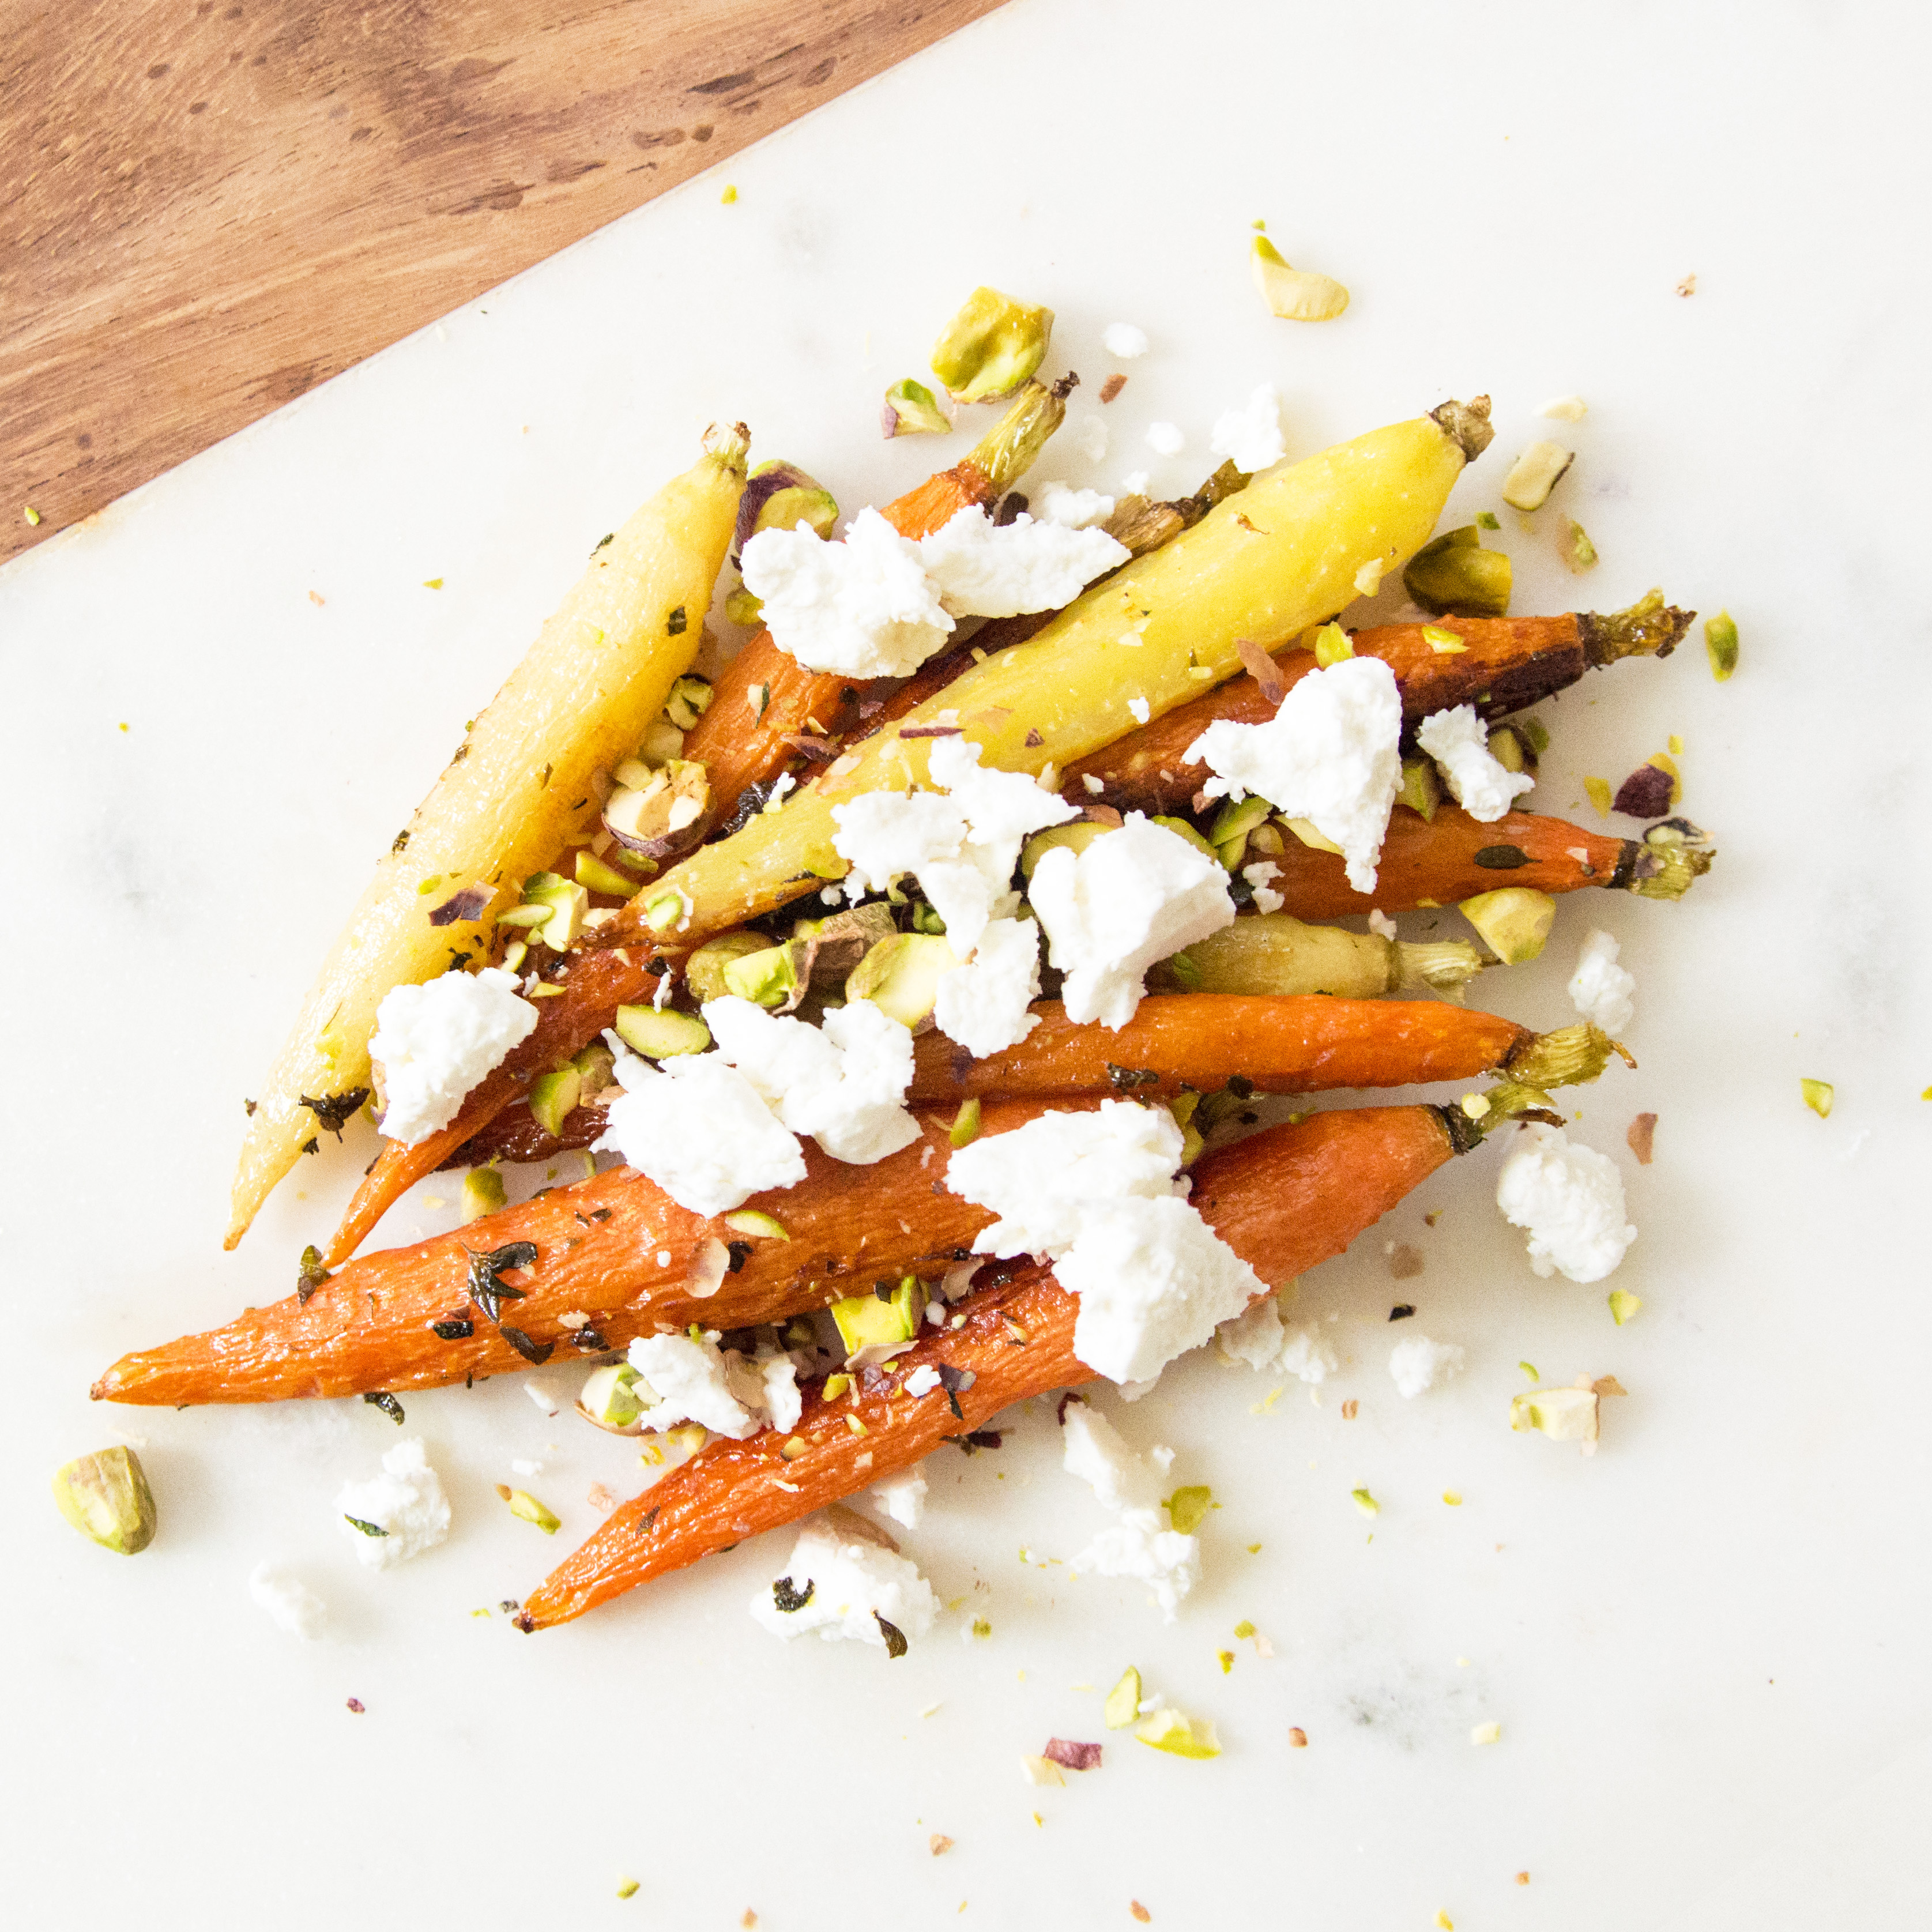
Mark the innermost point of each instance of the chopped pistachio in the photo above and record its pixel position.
(1579, 552)
(1563, 1414)
(553, 1096)
(664, 911)
(1454, 1497)
(1514, 921)
(1421, 787)
(607, 1399)
(1624, 1306)
(1041, 1771)
(1454, 573)
(1720, 644)
(1168, 1731)
(704, 969)
(766, 978)
(1181, 829)
(792, 1447)
(1077, 836)
(835, 1386)
(1529, 1369)
(1312, 836)
(1187, 1508)
(568, 902)
(33, 516)
(1534, 734)
(1535, 473)
(1483, 1734)
(912, 409)
(628, 1889)
(965, 1128)
(981, 1627)
(521, 916)
(1226, 1659)
(661, 1034)
(991, 347)
(1366, 1503)
(867, 1321)
(482, 1193)
(754, 1221)
(780, 496)
(1124, 1701)
(527, 1509)
(1817, 1096)
(1506, 748)
(690, 699)
(1600, 795)
(106, 1498)
(741, 607)
(1332, 645)
(901, 975)
(1244, 1630)
(1369, 578)
(1486, 520)
(1295, 294)
(1444, 643)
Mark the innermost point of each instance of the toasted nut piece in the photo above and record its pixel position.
(912, 409)
(1296, 295)
(525, 1506)
(991, 347)
(1454, 573)
(608, 1402)
(704, 971)
(1818, 1097)
(660, 1035)
(901, 976)
(106, 1498)
(1535, 473)
(777, 496)
(1720, 644)
(1514, 921)
(1579, 552)
(1421, 787)
(664, 814)
(482, 1192)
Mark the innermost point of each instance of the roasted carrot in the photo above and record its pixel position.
(1507, 663)
(1284, 1200)
(765, 702)
(1279, 1044)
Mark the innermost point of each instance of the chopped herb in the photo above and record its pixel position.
(387, 1403)
(790, 1601)
(333, 1110)
(600, 1213)
(248, 1107)
(895, 1637)
(589, 1339)
(311, 1144)
(1125, 1079)
(1501, 858)
(675, 624)
(366, 1528)
(312, 1274)
(601, 542)
(487, 1288)
(453, 1328)
(1402, 1311)
(976, 1440)
(1240, 1087)
(738, 1253)
(649, 1516)
(535, 1353)
(401, 839)
(953, 1380)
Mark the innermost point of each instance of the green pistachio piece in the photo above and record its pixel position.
(1295, 294)
(553, 1096)
(1720, 644)
(1534, 734)
(704, 969)
(1168, 1731)
(991, 347)
(1421, 788)
(1624, 1305)
(1124, 1701)
(755, 1221)
(662, 914)
(690, 699)
(568, 902)
(482, 1193)
(663, 743)
(901, 975)
(912, 409)
(1332, 645)
(106, 1498)
(1563, 1414)
(661, 1034)
(1187, 1509)
(965, 1128)
(780, 496)
(1365, 1502)
(866, 1322)
(1077, 836)
(595, 876)
(1181, 829)
(1579, 552)
(1234, 821)
(741, 607)
(1454, 573)
(593, 1067)
(526, 1508)
(1818, 1096)
(1535, 473)
(1506, 748)
(608, 1400)
(767, 978)
(1514, 921)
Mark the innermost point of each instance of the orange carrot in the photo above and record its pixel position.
(1507, 663)
(1285, 1199)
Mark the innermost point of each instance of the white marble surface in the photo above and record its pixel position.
(1704, 1647)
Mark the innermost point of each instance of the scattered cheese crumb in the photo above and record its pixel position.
(406, 1502)
(1078, 509)
(1251, 436)
(1565, 409)
(1485, 1734)
(1569, 1199)
(1600, 989)
(289, 1602)
(849, 1584)
(1139, 1546)
(1124, 341)
(902, 1496)
(1165, 439)
(985, 569)
(1134, 483)
(433, 1042)
(1139, 707)
(1258, 875)
(1460, 743)
(1380, 924)
(1417, 1363)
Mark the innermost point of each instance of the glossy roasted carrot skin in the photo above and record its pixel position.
(1509, 663)
(1284, 1044)
(1285, 1199)
(598, 1245)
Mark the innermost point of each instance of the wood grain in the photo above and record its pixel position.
(212, 205)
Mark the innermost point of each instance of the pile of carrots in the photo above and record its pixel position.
(1285, 1198)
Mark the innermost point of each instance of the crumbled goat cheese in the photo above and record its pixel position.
(700, 1129)
(1138, 1546)
(1252, 435)
(784, 1403)
(1153, 1281)
(1134, 897)
(843, 1083)
(1329, 753)
(541, 1397)
(295, 1607)
(1267, 899)
(1381, 925)
(1134, 483)
(406, 1502)
(1600, 989)
(1166, 438)
(691, 1381)
(983, 1004)
(1141, 710)
(1078, 509)
(922, 1381)
(1458, 741)
(1569, 1199)
(1124, 341)
(1254, 1337)
(902, 1497)
(1417, 1363)
(434, 1042)
(985, 569)
(1085, 433)
(1043, 1181)
(1304, 1354)
(851, 1584)
(865, 607)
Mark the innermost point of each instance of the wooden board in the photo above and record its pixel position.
(212, 205)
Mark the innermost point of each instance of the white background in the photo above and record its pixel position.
(1706, 1647)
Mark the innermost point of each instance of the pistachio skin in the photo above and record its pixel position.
(106, 1498)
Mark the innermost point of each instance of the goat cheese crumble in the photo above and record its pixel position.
(1165, 439)
(1259, 876)
(1138, 1545)
(864, 607)
(434, 1042)
(901, 1497)
(1569, 1199)
(406, 1503)
(1458, 741)
(293, 1605)
(1417, 1363)
(982, 569)
(1124, 341)
(1079, 509)
(1600, 989)
(1329, 753)
(699, 1129)
(984, 1004)
(1137, 895)
(847, 1584)
(1251, 436)
(687, 1379)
